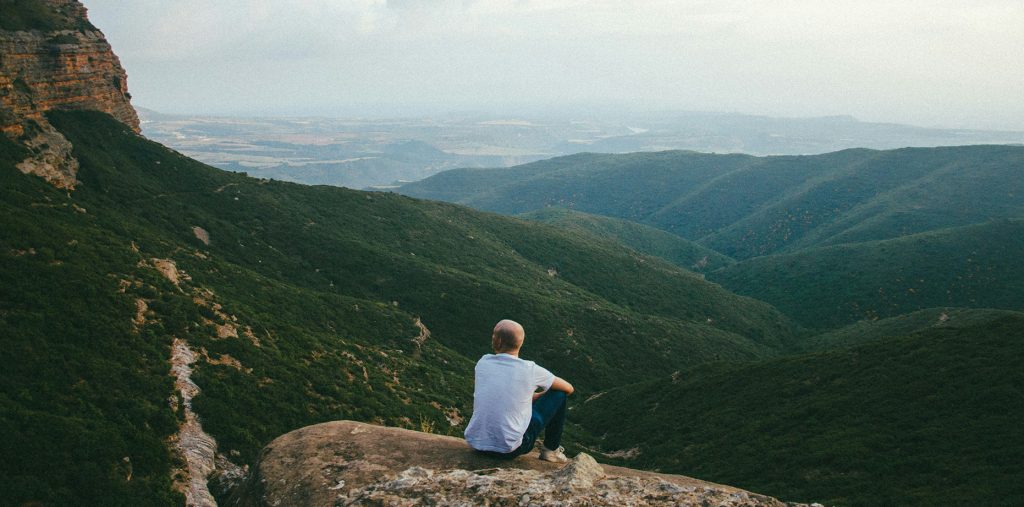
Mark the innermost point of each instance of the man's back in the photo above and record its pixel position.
(502, 397)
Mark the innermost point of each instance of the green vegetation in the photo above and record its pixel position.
(922, 320)
(927, 418)
(885, 195)
(746, 206)
(916, 409)
(83, 395)
(303, 308)
(631, 187)
(21, 15)
(306, 305)
(977, 266)
(11, 153)
(642, 238)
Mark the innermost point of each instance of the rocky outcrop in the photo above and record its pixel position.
(197, 449)
(351, 463)
(61, 62)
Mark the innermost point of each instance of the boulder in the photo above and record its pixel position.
(352, 463)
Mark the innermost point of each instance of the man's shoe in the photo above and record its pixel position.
(555, 456)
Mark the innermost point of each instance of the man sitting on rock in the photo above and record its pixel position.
(505, 423)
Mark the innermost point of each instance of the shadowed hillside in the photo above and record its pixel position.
(929, 417)
(922, 320)
(976, 266)
(642, 238)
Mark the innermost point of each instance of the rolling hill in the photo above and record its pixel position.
(975, 266)
(922, 320)
(642, 238)
(927, 416)
(743, 206)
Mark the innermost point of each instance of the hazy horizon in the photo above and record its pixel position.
(948, 64)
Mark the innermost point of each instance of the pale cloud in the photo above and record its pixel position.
(932, 62)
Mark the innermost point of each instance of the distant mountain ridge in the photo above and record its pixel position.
(714, 132)
(361, 153)
(744, 206)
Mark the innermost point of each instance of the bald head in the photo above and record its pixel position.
(507, 337)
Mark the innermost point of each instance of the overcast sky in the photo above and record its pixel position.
(926, 62)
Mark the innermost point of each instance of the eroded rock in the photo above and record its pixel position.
(196, 448)
(68, 68)
(351, 463)
(201, 234)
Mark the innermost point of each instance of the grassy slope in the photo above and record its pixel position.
(743, 193)
(885, 195)
(642, 238)
(80, 389)
(631, 186)
(86, 389)
(975, 266)
(927, 418)
(749, 206)
(329, 281)
(866, 331)
(428, 257)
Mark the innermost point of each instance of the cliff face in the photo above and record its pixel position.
(351, 463)
(51, 57)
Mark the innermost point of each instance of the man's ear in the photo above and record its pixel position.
(494, 343)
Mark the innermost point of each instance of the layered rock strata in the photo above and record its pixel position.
(351, 463)
(59, 62)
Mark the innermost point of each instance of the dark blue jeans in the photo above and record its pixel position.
(548, 415)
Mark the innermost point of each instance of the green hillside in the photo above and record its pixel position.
(866, 331)
(642, 238)
(885, 195)
(976, 266)
(746, 206)
(632, 186)
(304, 306)
(927, 418)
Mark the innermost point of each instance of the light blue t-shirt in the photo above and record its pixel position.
(503, 401)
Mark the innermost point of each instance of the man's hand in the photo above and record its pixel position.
(538, 395)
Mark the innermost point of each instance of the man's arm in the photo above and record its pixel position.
(558, 384)
(561, 385)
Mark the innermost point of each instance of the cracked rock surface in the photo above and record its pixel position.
(351, 463)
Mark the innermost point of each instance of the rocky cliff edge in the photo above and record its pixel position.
(52, 57)
(351, 463)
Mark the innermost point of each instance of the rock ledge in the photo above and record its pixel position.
(351, 463)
